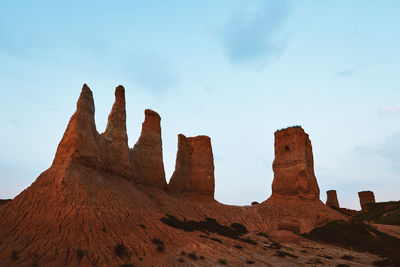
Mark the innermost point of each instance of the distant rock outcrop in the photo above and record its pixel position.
(146, 155)
(294, 165)
(194, 169)
(366, 197)
(331, 199)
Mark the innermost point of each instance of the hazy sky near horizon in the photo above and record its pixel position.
(233, 70)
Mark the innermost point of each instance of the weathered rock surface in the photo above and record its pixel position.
(294, 204)
(88, 209)
(146, 155)
(331, 199)
(366, 197)
(294, 165)
(4, 201)
(194, 168)
(115, 138)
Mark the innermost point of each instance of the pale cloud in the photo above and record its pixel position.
(389, 110)
(255, 38)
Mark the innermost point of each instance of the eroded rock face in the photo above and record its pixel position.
(293, 165)
(146, 156)
(331, 199)
(81, 141)
(115, 139)
(194, 169)
(366, 197)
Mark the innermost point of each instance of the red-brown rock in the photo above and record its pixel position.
(81, 142)
(331, 199)
(294, 165)
(146, 156)
(194, 168)
(366, 198)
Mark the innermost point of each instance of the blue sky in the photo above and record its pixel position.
(233, 70)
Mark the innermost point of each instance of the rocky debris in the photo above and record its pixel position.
(366, 197)
(146, 156)
(115, 139)
(293, 165)
(331, 199)
(194, 168)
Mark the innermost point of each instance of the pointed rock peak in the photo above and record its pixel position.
(119, 92)
(85, 102)
(116, 126)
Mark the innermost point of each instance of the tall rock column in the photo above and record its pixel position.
(294, 165)
(146, 156)
(331, 199)
(81, 141)
(194, 169)
(115, 139)
(366, 197)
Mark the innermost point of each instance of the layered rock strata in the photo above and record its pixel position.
(366, 198)
(146, 155)
(194, 169)
(293, 165)
(331, 199)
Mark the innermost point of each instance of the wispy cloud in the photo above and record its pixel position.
(255, 38)
(345, 73)
(389, 110)
(389, 149)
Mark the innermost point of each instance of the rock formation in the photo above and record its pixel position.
(331, 199)
(366, 197)
(115, 138)
(146, 155)
(194, 168)
(294, 204)
(88, 209)
(293, 165)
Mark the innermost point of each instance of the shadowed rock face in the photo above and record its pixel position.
(366, 197)
(331, 199)
(293, 165)
(146, 155)
(194, 169)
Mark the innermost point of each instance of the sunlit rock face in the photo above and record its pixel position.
(194, 168)
(146, 155)
(294, 165)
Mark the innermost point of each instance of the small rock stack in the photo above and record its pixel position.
(331, 199)
(366, 198)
